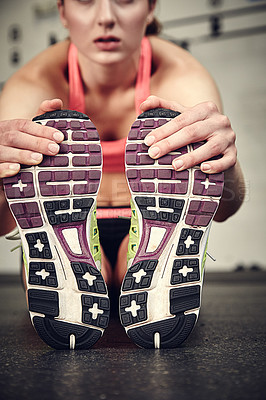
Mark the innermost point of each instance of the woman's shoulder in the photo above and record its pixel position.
(46, 69)
(170, 56)
(180, 76)
(44, 77)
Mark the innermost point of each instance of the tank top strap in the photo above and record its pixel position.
(76, 90)
(142, 89)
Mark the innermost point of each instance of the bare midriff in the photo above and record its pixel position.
(114, 190)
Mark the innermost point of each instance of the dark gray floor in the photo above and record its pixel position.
(224, 358)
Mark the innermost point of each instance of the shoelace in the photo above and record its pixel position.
(14, 235)
(211, 257)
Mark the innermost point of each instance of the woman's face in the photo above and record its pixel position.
(106, 31)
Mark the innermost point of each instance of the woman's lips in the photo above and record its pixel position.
(107, 42)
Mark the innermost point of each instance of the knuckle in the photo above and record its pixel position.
(168, 143)
(15, 124)
(232, 136)
(225, 121)
(23, 157)
(20, 155)
(192, 132)
(179, 121)
(44, 132)
(152, 97)
(25, 124)
(215, 148)
(22, 124)
(189, 160)
(211, 106)
(10, 137)
(229, 159)
(38, 144)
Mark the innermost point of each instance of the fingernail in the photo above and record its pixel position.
(36, 156)
(149, 140)
(205, 167)
(58, 136)
(178, 164)
(14, 167)
(154, 151)
(53, 147)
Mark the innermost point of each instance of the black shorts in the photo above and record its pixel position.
(112, 232)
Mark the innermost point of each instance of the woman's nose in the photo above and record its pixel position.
(105, 13)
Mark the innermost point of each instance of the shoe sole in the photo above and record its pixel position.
(161, 292)
(53, 204)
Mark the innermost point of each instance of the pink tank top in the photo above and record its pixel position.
(113, 150)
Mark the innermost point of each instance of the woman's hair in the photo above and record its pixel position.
(154, 28)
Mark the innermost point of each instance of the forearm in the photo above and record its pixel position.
(233, 194)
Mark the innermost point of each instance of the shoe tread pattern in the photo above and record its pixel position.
(47, 200)
(166, 198)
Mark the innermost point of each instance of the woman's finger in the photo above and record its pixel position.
(212, 158)
(190, 134)
(189, 117)
(221, 164)
(20, 140)
(50, 105)
(8, 169)
(158, 102)
(195, 132)
(16, 127)
(21, 156)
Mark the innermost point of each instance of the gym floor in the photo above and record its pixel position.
(224, 358)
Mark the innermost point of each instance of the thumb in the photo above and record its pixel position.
(50, 105)
(157, 102)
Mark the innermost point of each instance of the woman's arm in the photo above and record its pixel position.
(203, 122)
(21, 140)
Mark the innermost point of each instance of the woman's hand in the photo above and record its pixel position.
(24, 142)
(201, 123)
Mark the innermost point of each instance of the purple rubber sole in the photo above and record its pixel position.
(161, 293)
(53, 204)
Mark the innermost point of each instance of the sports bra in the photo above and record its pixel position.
(113, 150)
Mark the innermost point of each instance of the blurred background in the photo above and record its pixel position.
(229, 38)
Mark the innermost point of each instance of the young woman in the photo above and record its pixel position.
(112, 68)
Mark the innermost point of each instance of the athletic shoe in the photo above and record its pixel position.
(171, 217)
(54, 207)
